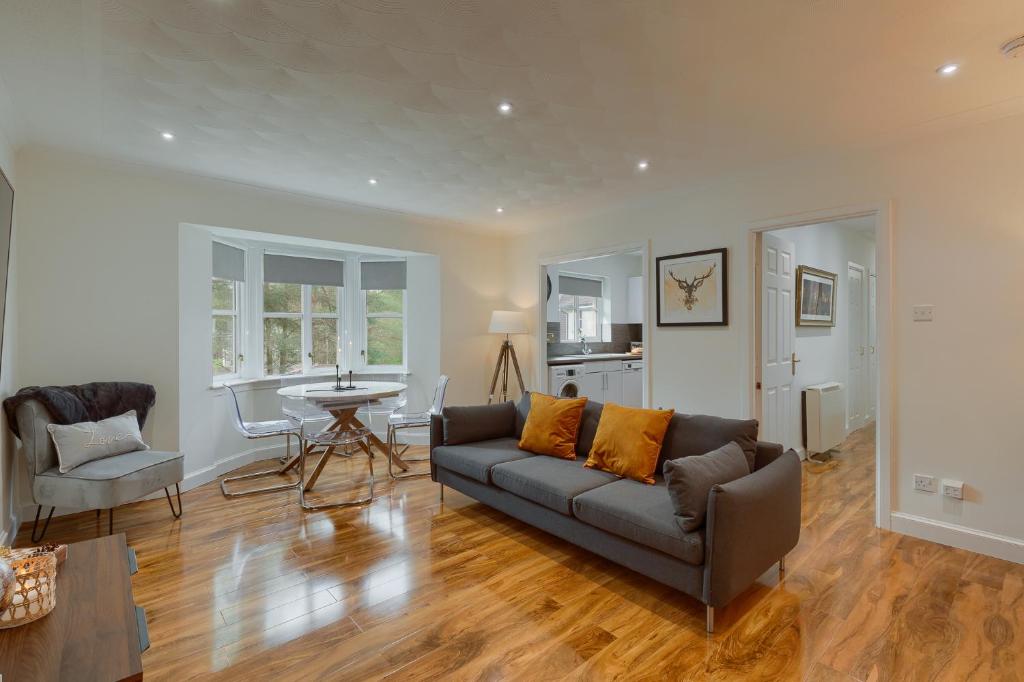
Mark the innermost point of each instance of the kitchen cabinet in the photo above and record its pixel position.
(602, 381)
(635, 300)
(633, 383)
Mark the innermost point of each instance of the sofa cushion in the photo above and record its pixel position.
(550, 482)
(552, 425)
(641, 513)
(696, 434)
(474, 460)
(109, 482)
(689, 481)
(478, 422)
(588, 424)
(628, 441)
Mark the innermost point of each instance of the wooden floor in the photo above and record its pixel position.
(410, 588)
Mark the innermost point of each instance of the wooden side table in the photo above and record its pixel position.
(94, 632)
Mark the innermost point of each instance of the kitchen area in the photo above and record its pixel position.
(595, 328)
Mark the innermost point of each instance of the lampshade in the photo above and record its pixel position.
(508, 322)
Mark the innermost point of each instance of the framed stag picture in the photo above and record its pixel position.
(693, 289)
(815, 297)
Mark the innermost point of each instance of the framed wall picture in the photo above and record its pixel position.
(815, 297)
(693, 289)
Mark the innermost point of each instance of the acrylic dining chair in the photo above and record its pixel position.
(263, 429)
(399, 420)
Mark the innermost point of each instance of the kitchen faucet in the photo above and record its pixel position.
(584, 346)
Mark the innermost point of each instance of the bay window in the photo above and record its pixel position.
(307, 320)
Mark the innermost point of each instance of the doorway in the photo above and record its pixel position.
(593, 326)
(880, 287)
(814, 331)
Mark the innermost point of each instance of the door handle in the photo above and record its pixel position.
(871, 349)
(794, 361)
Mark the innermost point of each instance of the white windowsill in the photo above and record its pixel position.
(244, 385)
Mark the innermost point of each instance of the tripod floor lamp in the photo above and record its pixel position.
(506, 322)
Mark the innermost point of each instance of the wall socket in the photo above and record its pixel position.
(954, 489)
(923, 313)
(924, 483)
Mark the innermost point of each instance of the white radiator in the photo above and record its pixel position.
(824, 416)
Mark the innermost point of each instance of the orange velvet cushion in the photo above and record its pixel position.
(552, 425)
(628, 441)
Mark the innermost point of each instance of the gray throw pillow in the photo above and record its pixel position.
(88, 441)
(478, 422)
(690, 479)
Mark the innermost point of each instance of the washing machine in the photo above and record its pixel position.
(564, 380)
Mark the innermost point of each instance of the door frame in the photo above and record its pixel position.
(885, 396)
(540, 338)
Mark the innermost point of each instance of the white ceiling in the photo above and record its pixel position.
(316, 96)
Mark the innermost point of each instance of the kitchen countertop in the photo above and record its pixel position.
(593, 357)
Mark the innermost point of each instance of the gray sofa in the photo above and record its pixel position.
(751, 522)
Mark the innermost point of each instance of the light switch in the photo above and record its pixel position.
(924, 313)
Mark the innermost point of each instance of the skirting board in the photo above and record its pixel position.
(951, 534)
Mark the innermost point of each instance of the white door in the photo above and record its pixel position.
(856, 412)
(778, 369)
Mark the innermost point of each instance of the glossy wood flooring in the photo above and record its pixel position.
(409, 588)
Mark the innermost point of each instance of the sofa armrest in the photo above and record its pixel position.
(436, 438)
(752, 522)
(766, 453)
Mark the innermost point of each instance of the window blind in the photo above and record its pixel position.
(228, 262)
(299, 270)
(382, 274)
(578, 286)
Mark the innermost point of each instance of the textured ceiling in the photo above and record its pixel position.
(317, 96)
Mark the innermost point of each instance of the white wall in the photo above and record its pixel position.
(823, 350)
(617, 269)
(958, 244)
(8, 378)
(101, 292)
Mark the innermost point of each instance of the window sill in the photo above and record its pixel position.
(262, 383)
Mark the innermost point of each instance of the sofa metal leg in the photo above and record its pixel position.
(46, 525)
(177, 491)
(782, 565)
(442, 492)
(710, 620)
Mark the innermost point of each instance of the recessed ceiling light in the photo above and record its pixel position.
(505, 108)
(499, 210)
(642, 164)
(948, 69)
(372, 181)
(167, 135)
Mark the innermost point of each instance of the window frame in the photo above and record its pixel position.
(236, 314)
(351, 316)
(601, 305)
(364, 318)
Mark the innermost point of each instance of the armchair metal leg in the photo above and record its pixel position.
(110, 524)
(46, 525)
(177, 491)
(710, 623)
(332, 505)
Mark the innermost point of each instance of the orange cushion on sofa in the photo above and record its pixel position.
(628, 441)
(552, 425)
